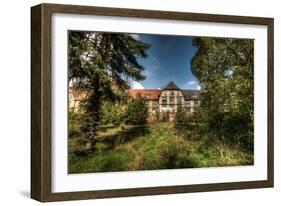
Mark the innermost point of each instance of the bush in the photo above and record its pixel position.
(181, 119)
(112, 113)
(136, 112)
(232, 128)
(186, 124)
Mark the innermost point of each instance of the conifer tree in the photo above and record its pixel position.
(99, 64)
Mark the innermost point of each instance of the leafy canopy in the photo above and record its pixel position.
(225, 70)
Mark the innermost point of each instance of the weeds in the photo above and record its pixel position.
(156, 146)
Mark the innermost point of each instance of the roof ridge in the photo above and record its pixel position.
(171, 86)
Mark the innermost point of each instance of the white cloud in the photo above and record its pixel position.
(192, 82)
(155, 63)
(148, 73)
(152, 66)
(136, 85)
(135, 36)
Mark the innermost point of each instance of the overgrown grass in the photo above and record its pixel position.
(205, 154)
(149, 147)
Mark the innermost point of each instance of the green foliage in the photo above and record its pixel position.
(107, 56)
(211, 154)
(112, 113)
(182, 118)
(136, 112)
(167, 153)
(153, 146)
(98, 62)
(74, 124)
(182, 121)
(107, 161)
(225, 69)
(189, 125)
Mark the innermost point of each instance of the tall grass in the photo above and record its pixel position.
(156, 146)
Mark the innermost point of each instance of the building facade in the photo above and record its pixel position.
(159, 101)
(168, 100)
(74, 99)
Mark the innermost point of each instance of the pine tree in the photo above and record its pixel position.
(99, 63)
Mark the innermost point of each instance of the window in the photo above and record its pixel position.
(172, 99)
(155, 103)
(164, 102)
(179, 100)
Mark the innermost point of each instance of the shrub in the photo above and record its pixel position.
(112, 113)
(136, 112)
(186, 124)
(231, 128)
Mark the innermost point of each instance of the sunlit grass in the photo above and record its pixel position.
(153, 146)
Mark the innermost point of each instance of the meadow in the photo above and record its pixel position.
(152, 147)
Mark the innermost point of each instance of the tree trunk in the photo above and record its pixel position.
(94, 102)
(92, 116)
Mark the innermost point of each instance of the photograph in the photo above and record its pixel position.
(133, 102)
(154, 101)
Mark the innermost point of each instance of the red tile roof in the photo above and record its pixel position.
(149, 94)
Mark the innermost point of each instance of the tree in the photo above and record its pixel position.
(137, 111)
(112, 113)
(182, 121)
(99, 63)
(224, 68)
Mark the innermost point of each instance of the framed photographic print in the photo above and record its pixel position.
(132, 102)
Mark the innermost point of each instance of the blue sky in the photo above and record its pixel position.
(169, 59)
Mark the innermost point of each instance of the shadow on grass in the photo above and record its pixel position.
(104, 128)
(124, 136)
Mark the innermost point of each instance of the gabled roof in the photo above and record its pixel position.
(171, 86)
(191, 94)
(149, 94)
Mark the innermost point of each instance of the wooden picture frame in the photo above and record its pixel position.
(41, 172)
